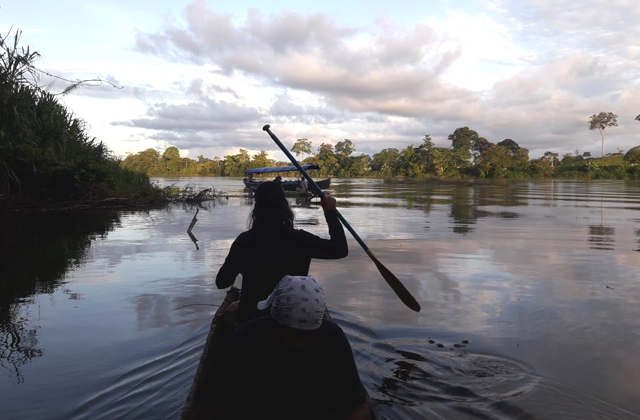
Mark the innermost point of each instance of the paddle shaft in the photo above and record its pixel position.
(391, 279)
(314, 186)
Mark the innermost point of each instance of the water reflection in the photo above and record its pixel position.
(38, 250)
(464, 209)
(517, 267)
(601, 237)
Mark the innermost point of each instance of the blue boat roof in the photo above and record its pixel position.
(280, 169)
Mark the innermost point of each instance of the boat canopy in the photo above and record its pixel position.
(280, 169)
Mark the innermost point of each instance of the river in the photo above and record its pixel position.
(103, 314)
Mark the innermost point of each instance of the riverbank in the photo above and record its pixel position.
(612, 167)
(162, 197)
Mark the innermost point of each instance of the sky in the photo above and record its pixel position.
(205, 76)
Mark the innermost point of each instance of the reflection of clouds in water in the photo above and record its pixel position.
(549, 299)
(153, 310)
(528, 287)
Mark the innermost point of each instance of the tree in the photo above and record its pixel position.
(494, 162)
(171, 153)
(408, 162)
(633, 155)
(145, 161)
(461, 140)
(510, 145)
(385, 162)
(427, 143)
(568, 158)
(481, 145)
(425, 155)
(170, 163)
(443, 160)
(601, 122)
(302, 147)
(325, 148)
(235, 165)
(345, 148)
(552, 158)
(358, 165)
(586, 155)
(261, 160)
(327, 160)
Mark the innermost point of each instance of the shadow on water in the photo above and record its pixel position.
(38, 250)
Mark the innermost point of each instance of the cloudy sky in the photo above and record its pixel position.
(205, 76)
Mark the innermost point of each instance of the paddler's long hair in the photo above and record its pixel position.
(271, 211)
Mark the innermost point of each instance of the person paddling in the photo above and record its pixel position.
(294, 363)
(272, 248)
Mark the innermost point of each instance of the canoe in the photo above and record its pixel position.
(221, 326)
(218, 332)
(289, 185)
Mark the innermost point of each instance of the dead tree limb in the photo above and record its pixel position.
(191, 235)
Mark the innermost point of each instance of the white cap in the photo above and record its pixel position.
(297, 302)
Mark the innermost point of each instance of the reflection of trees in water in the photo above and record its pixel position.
(37, 250)
(18, 342)
(464, 209)
(601, 237)
(467, 201)
(465, 198)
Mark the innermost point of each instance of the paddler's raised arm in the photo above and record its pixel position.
(333, 248)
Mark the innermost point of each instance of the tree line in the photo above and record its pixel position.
(470, 155)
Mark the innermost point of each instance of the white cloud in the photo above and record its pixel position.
(533, 71)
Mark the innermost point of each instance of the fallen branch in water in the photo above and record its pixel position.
(194, 220)
(189, 195)
(161, 197)
(191, 235)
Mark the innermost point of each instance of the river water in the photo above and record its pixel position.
(541, 277)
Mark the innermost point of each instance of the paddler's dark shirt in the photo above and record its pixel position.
(263, 258)
(257, 377)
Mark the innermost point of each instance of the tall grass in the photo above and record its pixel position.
(46, 152)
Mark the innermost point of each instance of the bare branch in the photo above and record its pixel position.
(17, 64)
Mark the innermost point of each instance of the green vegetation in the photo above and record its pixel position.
(46, 153)
(469, 156)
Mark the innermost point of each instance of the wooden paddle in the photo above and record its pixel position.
(397, 286)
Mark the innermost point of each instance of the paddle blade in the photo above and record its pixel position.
(405, 296)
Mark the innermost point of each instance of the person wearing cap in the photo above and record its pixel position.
(303, 186)
(291, 364)
(272, 248)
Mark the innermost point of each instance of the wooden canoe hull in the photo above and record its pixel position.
(220, 330)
